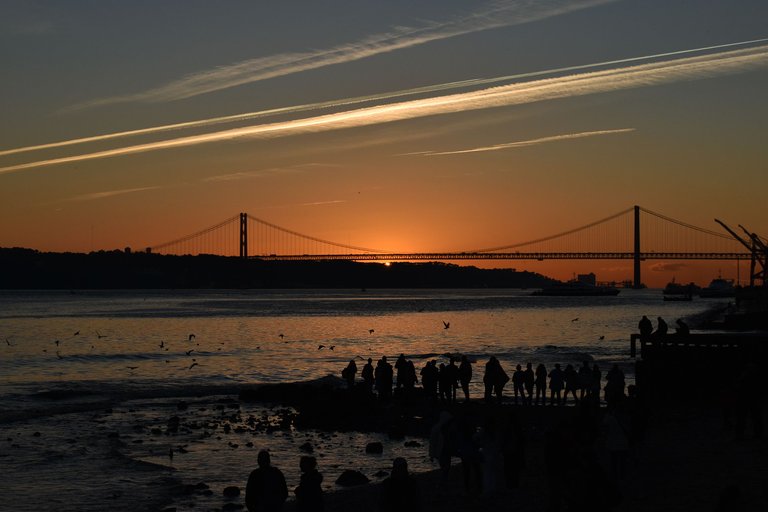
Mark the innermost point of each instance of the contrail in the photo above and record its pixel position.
(522, 143)
(110, 193)
(497, 14)
(473, 82)
(616, 79)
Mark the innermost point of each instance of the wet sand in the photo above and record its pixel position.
(688, 459)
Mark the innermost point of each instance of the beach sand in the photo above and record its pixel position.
(688, 460)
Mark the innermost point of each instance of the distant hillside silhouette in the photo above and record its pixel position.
(30, 269)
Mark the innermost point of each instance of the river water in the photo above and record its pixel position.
(90, 378)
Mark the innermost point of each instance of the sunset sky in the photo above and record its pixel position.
(409, 126)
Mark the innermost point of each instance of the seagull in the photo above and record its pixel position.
(131, 367)
(602, 337)
(320, 346)
(370, 331)
(191, 337)
(100, 335)
(192, 366)
(77, 333)
(189, 352)
(446, 325)
(575, 319)
(331, 347)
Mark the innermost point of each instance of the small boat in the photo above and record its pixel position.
(576, 289)
(719, 288)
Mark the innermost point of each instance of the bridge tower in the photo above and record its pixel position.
(244, 235)
(637, 283)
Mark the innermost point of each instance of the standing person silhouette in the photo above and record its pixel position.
(529, 380)
(367, 375)
(349, 373)
(309, 493)
(518, 383)
(571, 383)
(465, 376)
(541, 384)
(645, 326)
(556, 381)
(266, 490)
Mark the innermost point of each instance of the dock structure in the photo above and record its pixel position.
(694, 366)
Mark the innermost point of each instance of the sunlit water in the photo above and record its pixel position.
(125, 359)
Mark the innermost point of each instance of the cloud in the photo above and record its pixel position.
(294, 109)
(109, 193)
(668, 267)
(324, 203)
(260, 173)
(496, 14)
(522, 143)
(609, 80)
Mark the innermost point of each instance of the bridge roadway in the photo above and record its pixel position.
(540, 256)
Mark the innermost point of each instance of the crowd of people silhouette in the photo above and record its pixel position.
(440, 382)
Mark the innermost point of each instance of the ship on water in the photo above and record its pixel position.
(584, 285)
(679, 292)
(719, 288)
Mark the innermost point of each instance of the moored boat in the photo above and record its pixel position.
(719, 288)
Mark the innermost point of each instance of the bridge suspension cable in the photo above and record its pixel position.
(555, 236)
(187, 244)
(260, 235)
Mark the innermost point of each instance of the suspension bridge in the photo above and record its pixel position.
(636, 234)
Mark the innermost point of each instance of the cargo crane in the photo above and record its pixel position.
(758, 249)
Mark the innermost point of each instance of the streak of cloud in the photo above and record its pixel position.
(496, 14)
(244, 175)
(610, 80)
(522, 143)
(324, 203)
(109, 193)
(295, 109)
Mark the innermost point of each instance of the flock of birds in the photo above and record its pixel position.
(191, 337)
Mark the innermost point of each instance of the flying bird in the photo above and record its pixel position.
(446, 325)
(189, 352)
(77, 333)
(575, 319)
(331, 347)
(100, 335)
(320, 346)
(131, 367)
(192, 366)
(602, 337)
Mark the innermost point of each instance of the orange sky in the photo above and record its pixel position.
(566, 113)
